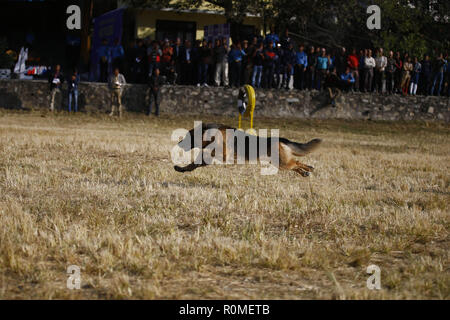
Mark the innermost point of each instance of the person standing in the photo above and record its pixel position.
(323, 63)
(155, 83)
(369, 65)
(138, 63)
(311, 70)
(285, 39)
(415, 76)
(205, 56)
(290, 60)
(269, 66)
(116, 84)
(406, 75)
(340, 61)
(301, 65)
(249, 51)
(272, 38)
(398, 72)
(427, 70)
(176, 58)
(380, 68)
(221, 60)
(353, 64)
(187, 66)
(104, 54)
(56, 80)
(154, 57)
(196, 60)
(117, 55)
(390, 73)
(438, 74)
(258, 60)
(72, 84)
(236, 55)
(280, 65)
(362, 60)
(168, 64)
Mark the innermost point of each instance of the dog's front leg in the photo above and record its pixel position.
(199, 162)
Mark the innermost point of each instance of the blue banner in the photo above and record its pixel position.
(109, 27)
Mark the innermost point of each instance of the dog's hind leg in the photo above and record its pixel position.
(300, 168)
(304, 167)
(302, 172)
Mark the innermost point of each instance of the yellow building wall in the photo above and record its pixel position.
(146, 21)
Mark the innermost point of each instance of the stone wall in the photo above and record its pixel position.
(94, 97)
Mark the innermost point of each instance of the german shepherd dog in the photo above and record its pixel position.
(286, 149)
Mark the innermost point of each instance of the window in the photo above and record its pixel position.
(171, 30)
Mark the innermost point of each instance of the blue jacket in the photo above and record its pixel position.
(272, 37)
(346, 77)
(322, 63)
(236, 55)
(104, 51)
(302, 58)
(117, 52)
(289, 57)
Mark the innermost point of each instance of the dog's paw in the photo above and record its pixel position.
(306, 174)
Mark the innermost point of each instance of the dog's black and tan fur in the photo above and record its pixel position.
(286, 149)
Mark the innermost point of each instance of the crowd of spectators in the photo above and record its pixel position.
(276, 62)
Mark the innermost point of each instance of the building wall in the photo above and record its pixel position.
(146, 21)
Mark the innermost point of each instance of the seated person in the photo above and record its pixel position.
(347, 80)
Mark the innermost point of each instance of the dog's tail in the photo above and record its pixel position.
(302, 149)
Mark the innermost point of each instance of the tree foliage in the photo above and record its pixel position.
(410, 26)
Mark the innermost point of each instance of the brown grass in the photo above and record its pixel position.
(102, 194)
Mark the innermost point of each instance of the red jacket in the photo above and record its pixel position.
(353, 61)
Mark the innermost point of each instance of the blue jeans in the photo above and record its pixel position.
(73, 93)
(256, 77)
(438, 77)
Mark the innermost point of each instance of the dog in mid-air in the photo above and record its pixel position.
(286, 149)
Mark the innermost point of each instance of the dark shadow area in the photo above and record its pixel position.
(10, 100)
(323, 101)
(134, 100)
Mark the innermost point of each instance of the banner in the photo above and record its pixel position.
(108, 26)
(217, 31)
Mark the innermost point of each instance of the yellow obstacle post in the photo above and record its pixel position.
(246, 106)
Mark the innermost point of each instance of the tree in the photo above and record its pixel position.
(412, 26)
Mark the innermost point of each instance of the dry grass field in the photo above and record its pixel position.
(102, 194)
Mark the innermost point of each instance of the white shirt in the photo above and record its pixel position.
(381, 62)
(369, 62)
